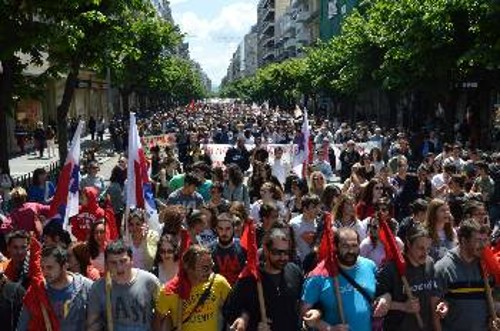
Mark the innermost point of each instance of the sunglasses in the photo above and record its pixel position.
(167, 251)
(279, 252)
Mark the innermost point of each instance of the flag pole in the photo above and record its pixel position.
(179, 315)
(109, 310)
(340, 305)
(262, 303)
(489, 295)
(410, 295)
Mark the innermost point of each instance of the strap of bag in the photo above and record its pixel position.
(201, 300)
(356, 285)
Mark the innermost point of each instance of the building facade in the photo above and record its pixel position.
(332, 13)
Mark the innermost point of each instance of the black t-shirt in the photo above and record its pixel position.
(281, 295)
(229, 261)
(11, 301)
(423, 285)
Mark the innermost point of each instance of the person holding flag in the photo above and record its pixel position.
(139, 187)
(66, 199)
(460, 277)
(57, 301)
(398, 308)
(193, 300)
(341, 267)
(281, 286)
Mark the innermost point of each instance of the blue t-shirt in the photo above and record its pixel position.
(37, 193)
(357, 310)
(60, 299)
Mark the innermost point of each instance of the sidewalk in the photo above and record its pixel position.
(27, 163)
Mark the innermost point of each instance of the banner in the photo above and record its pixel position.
(362, 148)
(217, 152)
(163, 140)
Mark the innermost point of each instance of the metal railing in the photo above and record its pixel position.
(26, 180)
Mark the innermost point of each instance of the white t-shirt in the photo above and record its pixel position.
(300, 226)
(98, 263)
(138, 257)
(377, 253)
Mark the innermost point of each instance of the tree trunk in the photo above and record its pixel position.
(125, 93)
(6, 89)
(63, 109)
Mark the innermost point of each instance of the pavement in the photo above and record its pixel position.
(27, 163)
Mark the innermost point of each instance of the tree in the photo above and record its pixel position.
(21, 32)
(86, 34)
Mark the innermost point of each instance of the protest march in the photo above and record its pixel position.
(245, 217)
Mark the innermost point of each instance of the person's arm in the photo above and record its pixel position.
(95, 319)
(24, 318)
(162, 322)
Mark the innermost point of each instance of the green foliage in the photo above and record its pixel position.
(399, 45)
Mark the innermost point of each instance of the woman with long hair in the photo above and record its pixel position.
(317, 183)
(295, 189)
(234, 188)
(329, 198)
(79, 261)
(370, 195)
(345, 217)
(42, 190)
(115, 190)
(166, 261)
(270, 194)
(367, 166)
(356, 181)
(377, 159)
(143, 240)
(439, 223)
(372, 247)
(97, 245)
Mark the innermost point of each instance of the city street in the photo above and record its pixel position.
(292, 165)
(27, 163)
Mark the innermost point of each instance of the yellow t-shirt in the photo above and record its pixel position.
(206, 316)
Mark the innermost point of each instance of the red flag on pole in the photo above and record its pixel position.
(327, 254)
(492, 263)
(392, 252)
(36, 300)
(180, 284)
(190, 107)
(249, 243)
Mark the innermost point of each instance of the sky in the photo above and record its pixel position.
(214, 28)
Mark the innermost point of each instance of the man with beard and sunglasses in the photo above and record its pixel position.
(357, 289)
(228, 255)
(282, 286)
(393, 303)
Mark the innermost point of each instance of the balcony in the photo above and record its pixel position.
(290, 44)
(269, 42)
(268, 14)
(268, 55)
(303, 38)
(267, 28)
(302, 16)
(312, 15)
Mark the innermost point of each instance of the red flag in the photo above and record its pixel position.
(392, 252)
(180, 284)
(190, 108)
(327, 254)
(36, 298)
(249, 243)
(491, 263)
(109, 215)
(34, 268)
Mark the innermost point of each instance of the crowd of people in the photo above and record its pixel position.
(110, 269)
